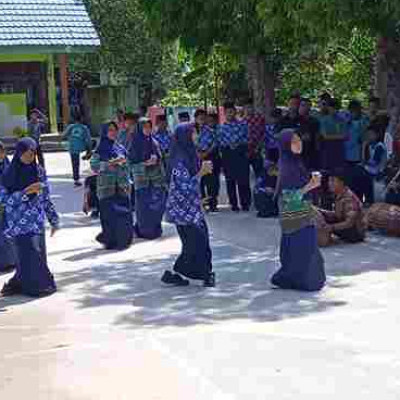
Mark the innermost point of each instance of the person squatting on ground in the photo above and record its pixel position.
(346, 221)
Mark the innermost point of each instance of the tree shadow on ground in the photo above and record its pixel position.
(242, 293)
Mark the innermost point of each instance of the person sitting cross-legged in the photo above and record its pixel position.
(346, 221)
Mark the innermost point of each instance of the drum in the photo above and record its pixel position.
(323, 233)
(384, 217)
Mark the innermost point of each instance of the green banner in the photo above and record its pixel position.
(13, 113)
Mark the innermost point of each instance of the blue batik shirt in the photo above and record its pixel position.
(206, 140)
(184, 200)
(233, 134)
(25, 215)
(164, 140)
(271, 141)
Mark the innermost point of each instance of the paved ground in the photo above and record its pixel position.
(113, 332)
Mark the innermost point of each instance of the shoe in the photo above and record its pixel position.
(209, 282)
(77, 184)
(100, 238)
(167, 277)
(174, 279)
(214, 209)
(10, 289)
(245, 209)
(95, 214)
(235, 209)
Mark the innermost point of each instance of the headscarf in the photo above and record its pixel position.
(184, 150)
(142, 147)
(107, 148)
(18, 175)
(292, 173)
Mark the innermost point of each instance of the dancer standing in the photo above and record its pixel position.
(150, 188)
(302, 262)
(25, 195)
(113, 190)
(184, 210)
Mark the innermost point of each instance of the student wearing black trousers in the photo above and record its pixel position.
(233, 142)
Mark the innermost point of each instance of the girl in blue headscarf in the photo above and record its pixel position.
(113, 191)
(302, 262)
(184, 210)
(25, 195)
(7, 250)
(150, 186)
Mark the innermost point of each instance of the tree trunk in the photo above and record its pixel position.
(261, 83)
(392, 53)
(379, 74)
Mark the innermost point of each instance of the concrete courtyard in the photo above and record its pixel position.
(113, 332)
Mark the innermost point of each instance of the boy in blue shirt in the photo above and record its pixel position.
(79, 140)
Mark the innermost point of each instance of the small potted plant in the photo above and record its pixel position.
(20, 133)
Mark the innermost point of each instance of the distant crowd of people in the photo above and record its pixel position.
(317, 169)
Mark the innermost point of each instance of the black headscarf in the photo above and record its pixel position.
(18, 175)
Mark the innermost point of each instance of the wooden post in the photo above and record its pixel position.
(63, 60)
(52, 94)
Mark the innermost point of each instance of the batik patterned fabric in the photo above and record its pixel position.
(110, 181)
(256, 129)
(184, 202)
(233, 134)
(271, 141)
(206, 139)
(164, 140)
(25, 214)
(296, 211)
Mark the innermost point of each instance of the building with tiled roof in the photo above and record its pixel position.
(35, 38)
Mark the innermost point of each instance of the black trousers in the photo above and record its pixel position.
(236, 167)
(76, 162)
(91, 187)
(40, 156)
(361, 183)
(257, 163)
(210, 184)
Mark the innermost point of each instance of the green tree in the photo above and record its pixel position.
(129, 48)
(234, 25)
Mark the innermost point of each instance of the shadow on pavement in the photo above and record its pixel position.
(242, 293)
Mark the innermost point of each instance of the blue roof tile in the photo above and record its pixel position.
(46, 23)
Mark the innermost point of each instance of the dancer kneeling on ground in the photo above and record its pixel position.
(25, 195)
(184, 210)
(346, 222)
(302, 262)
(113, 190)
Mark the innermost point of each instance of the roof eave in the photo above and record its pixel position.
(48, 49)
